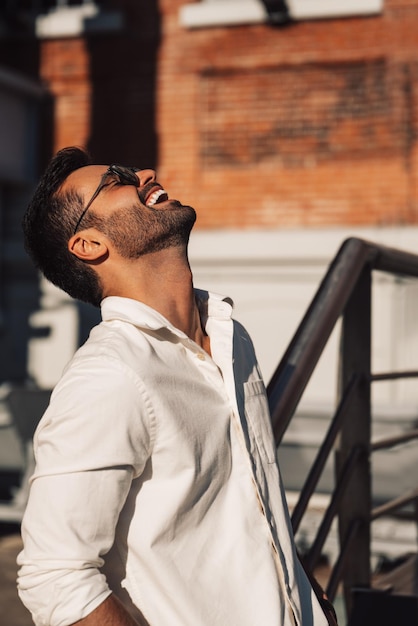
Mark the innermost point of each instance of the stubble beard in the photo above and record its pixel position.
(136, 232)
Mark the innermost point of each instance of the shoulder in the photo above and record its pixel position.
(115, 351)
(99, 415)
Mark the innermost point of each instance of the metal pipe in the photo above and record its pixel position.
(393, 375)
(292, 375)
(345, 475)
(322, 456)
(338, 569)
(391, 442)
(394, 504)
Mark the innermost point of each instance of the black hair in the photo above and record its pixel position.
(49, 223)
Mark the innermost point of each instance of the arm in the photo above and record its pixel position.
(67, 529)
(110, 613)
(90, 444)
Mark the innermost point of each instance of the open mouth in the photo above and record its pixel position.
(152, 194)
(155, 197)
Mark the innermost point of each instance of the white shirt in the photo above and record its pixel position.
(156, 478)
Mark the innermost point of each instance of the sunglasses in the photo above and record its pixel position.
(123, 175)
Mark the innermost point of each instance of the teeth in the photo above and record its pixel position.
(153, 199)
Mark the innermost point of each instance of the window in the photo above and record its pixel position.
(67, 18)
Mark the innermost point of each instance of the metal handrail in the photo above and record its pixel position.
(395, 504)
(322, 456)
(396, 440)
(338, 568)
(295, 368)
(393, 375)
(346, 284)
(316, 548)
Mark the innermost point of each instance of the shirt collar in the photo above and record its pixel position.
(211, 305)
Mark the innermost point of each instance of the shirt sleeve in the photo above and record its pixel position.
(92, 441)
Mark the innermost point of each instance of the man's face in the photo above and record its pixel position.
(138, 219)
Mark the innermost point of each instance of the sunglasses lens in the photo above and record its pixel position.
(126, 175)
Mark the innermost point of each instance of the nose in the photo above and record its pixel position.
(146, 176)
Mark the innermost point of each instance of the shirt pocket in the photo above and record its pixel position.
(257, 414)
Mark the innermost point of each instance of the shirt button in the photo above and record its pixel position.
(201, 356)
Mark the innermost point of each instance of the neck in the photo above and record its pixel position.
(163, 281)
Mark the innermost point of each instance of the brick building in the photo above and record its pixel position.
(308, 123)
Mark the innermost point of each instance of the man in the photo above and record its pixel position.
(156, 497)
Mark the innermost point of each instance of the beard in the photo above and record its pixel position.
(137, 230)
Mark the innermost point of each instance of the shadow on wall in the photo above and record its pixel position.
(123, 69)
(30, 139)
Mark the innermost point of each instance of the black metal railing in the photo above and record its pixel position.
(345, 292)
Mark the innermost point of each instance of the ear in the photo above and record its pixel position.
(89, 245)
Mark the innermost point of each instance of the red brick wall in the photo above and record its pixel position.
(312, 124)
(64, 67)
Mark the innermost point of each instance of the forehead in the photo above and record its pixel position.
(85, 180)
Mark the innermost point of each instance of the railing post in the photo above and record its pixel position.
(355, 358)
(415, 511)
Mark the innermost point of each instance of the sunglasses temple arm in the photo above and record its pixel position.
(92, 199)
